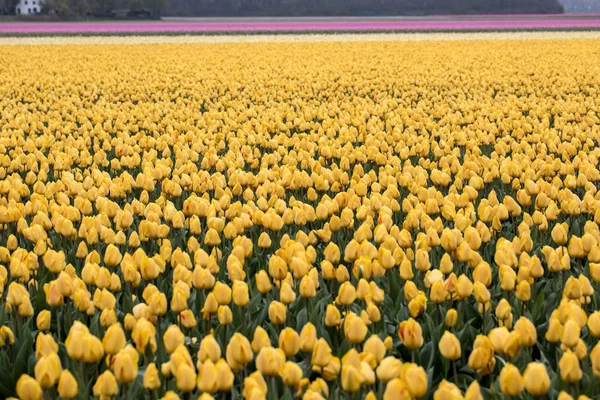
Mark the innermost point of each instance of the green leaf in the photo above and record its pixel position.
(427, 355)
(20, 364)
(301, 319)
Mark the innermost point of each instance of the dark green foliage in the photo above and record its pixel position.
(357, 7)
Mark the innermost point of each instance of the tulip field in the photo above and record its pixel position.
(367, 220)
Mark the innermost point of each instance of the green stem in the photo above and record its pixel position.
(273, 389)
(243, 321)
(455, 372)
(58, 328)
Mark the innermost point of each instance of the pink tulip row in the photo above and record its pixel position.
(433, 24)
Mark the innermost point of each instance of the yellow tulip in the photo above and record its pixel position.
(451, 318)
(277, 312)
(449, 346)
(185, 378)
(114, 339)
(67, 385)
(151, 378)
(511, 381)
(321, 354)
(106, 385)
(537, 381)
(411, 334)
(416, 380)
(47, 370)
(43, 320)
(207, 380)
(124, 366)
(28, 388)
(308, 337)
(290, 373)
(270, 360)
(350, 378)
(355, 329)
(570, 370)
(570, 333)
(225, 376)
(447, 390)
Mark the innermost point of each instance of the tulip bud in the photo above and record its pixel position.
(124, 366)
(47, 370)
(290, 374)
(346, 294)
(350, 378)
(482, 295)
(321, 354)
(209, 349)
(225, 315)
(375, 346)
(449, 346)
(355, 329)
(308, 338)
(170, 395)
(464, 287)
(411, 334)
(241, 297)
(43, 320)
(537, 381)
(44, 343)
(222, 293)
(559, 234)
(473, 392)
(106, 385)
(438, 293)
(332, 316)
(151, 378)
(264, 241)
(67, 385)
(28, 388)
(263, 283)
(422, 260)
(527, 332)
(261, 339)
(143, 335)
(173, 338)
(289, 342)
(388, 369)
(523, 291)
(332, 253)
(447, 390)
(451, 318)
(396, 388)
(112, 256)
(185, 378)
(570, 334)
(277, 313)
(207, 377)
(570, 370)
(593, 324)
(511, 381)
(308, 288)
(238, 352)
(417, 379)
(187, 319)
(270, 360)
(225, 376)
(482, 358)
(114, 339)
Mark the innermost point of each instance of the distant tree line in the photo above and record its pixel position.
(90, 8)
(236, 8)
